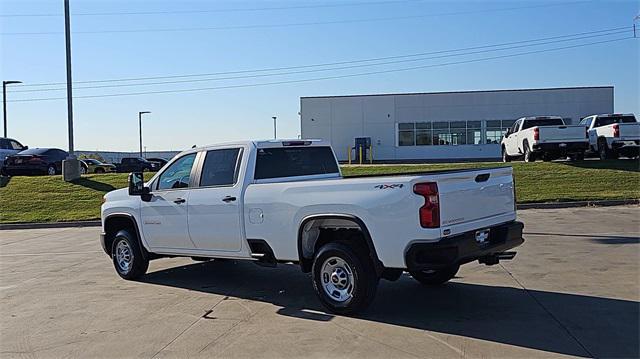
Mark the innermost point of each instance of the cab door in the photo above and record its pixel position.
(513, 149)
(164, 215)
(215, 206)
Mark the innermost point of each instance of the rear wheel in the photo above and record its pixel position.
(435, 276)
(603, 149)
(528, 155)
(344, 278)
(51, 170)
(505, 156)
(127, 257)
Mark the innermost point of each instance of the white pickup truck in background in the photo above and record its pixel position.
(613, 135)
(545, 137)
(286, 202)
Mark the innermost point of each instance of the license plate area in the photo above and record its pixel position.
(482, 236)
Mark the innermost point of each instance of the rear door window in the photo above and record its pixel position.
(294, 161)
(220, 167)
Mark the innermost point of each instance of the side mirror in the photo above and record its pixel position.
(136, 184)
(25, 148)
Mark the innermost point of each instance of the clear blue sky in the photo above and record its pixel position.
(182, 119)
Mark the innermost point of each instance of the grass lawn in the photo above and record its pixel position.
(46, 199)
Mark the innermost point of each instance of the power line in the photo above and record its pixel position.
(331, 68)
(299, 24)
(171, 12)
(327, 77)
(282, 68)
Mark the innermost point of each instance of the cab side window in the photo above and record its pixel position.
(177, 175)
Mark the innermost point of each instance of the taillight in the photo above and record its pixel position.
(616, 130)
(536, 134)
(35, 159)
(430, 211)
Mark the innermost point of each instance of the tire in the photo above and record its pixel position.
(347, 273)
(603, 150)
(83, 171)
(51, 170)
(528, 155)
(435, 277)
(505, 156)
(127, 258)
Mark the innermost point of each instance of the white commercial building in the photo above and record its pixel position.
(440, 126)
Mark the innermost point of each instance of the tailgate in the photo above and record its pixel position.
(562, 134)
(629, 131)
(476, 199)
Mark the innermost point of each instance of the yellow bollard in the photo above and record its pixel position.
(360, 154)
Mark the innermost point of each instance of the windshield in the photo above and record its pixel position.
(538, 122)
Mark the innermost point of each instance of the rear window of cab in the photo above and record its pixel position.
(294, 162)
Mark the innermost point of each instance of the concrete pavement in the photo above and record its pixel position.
(572, 290)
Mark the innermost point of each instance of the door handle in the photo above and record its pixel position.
(228, 199)
(179, 200)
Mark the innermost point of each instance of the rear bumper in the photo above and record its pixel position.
(24, 170)
(561, 147)
(463, 248)
(624, 144)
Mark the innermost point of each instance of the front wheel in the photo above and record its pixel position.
(435, 276)
(127, 257)
(344, 278)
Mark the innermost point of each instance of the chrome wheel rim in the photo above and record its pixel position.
(124, 256)
(337, 279)
(51, 171)
(83, 170)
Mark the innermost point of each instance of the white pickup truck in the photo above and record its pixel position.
(545, 137)
(286, 202)
(613, 135)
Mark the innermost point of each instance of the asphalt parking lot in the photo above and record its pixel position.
(573, 290)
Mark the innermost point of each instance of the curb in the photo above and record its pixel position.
(522, 206)
(70, 224)
(604, 203)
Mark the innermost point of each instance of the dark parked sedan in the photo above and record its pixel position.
(35, 161)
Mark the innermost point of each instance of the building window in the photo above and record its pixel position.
(406, 134)
(496, 129)
(442, 133)
(423, 134)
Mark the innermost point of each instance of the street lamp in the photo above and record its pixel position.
(4, 101)
(274, 127)
(140, 122)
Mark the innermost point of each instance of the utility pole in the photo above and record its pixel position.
(4, 102)
(274, 127)
(71, 166)
(140, 126)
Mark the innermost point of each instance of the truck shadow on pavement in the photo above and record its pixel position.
(561, 323)
(602, 239)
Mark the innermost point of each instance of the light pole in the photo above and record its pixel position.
(4, 101)
(70, 166)
(140, 122)
(274, 127)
